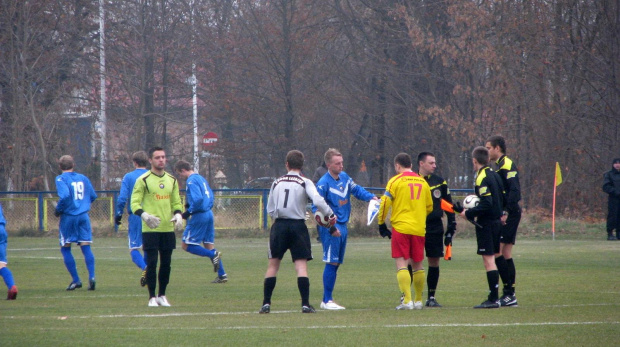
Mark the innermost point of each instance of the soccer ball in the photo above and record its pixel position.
(471, 201)
(321, 219)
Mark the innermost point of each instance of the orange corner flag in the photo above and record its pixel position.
(448, 255)
(558, 174)
(446, 206)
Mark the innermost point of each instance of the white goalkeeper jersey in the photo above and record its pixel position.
(289, 195)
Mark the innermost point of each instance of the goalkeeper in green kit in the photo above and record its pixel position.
(155, 198)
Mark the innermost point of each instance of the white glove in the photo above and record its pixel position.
(178, 222)
(150, 220)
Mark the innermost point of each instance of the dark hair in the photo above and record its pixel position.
(182, 165)
(153, 150)
(422, 156)
(140, 158)
(616, 160)
(481, 154)
(497, 140)
(295, 159)
(66, 162)
(403, 159)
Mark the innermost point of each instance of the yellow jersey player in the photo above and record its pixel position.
(409, 197)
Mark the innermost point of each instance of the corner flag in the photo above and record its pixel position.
(558, 174)
(557, 181)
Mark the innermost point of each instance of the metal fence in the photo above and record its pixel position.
(238, 209)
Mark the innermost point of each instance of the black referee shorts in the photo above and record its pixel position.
(487, 237)
(509, 230)
(434, 241)
(289, 234)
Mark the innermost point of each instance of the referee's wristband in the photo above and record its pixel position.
(332, 230)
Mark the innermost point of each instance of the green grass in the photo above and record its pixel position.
(567, 291)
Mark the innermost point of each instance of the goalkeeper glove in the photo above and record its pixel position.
(384, 231)
(57, 213)
(185, 215)
(178, 222)
(118, 218)
(150, 220)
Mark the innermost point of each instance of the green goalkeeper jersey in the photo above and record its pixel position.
(157, 196)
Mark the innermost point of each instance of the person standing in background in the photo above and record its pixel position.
(611, 186)
(134, 233)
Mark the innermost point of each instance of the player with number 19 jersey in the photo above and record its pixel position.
(75, 193)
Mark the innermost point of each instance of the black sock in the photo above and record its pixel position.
(410, 268)
(432, 278)
(513, 274)
(493, 280)
(269, 285)
(303, 283)
(504, 273)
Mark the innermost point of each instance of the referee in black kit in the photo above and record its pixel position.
(287, 207)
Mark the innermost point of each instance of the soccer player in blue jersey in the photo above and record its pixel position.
(336, 187)
(75, 193)
(5, 273)
(199, 230)
(140, 160)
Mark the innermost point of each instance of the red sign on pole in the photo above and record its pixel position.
(209, 140)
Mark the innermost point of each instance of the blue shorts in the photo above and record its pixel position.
(334, 247)
(3, 241)
(199, 229)
(135, 231)
(75, 229)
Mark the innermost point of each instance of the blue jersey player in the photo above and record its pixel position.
(140, 160)
(336, 187)
(5, 273)
(199, 230)
(75, 193)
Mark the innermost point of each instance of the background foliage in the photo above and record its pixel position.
(371, 78)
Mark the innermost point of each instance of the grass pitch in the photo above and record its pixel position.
(567, 291)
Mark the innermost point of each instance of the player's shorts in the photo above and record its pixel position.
(334, 247)
(407, 246)
(161, 241)
(135, 231)
(487, 237)
(289, 234)
(509, 230)
(75, 229)
(434, 242)
(199, 229)
(3, 243)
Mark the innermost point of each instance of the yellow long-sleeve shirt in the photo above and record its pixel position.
(409, 197)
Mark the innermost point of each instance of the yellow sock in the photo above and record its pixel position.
(404, 283)
(418, 283)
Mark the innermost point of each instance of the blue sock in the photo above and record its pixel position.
(70, 263)
(138, 259)
(200, 251)
(329, 281)
(89, 259)
(221, 271)
(7, 276)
